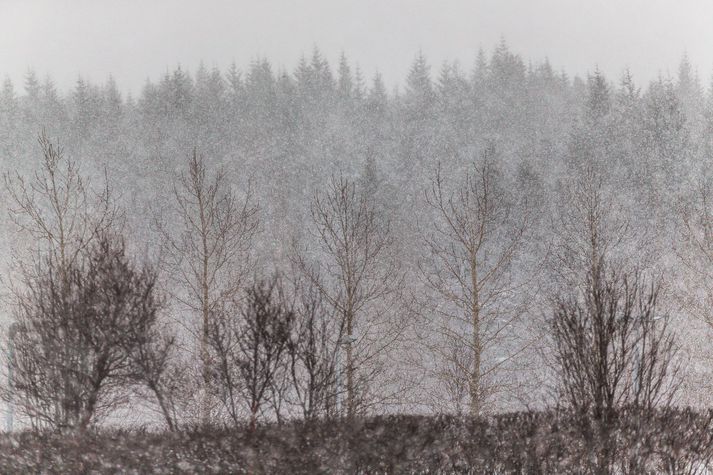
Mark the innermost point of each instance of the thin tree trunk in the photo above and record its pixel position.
(475, 395)
(205, 404)
(350, 366)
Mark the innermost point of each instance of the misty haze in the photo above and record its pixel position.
(422, 249)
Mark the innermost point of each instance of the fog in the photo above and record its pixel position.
(133, 40)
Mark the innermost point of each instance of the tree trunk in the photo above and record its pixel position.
(474, 386)
(350, 366)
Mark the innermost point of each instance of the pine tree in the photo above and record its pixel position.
(345, 83)
(420, 96)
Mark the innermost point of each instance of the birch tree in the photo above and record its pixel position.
(471, 247)
(57, 206)
(59, 211)
(355, 271)
(207, 249)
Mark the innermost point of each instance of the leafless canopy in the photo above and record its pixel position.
(57, 206)
(313, 352)
(471, 246)
(357, 275)
(77, 333)
(207, 249)
(612, 346)
(249, 346)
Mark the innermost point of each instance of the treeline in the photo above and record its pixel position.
(292, 123)
(235, 247)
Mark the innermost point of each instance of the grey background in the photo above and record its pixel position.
(136, 39)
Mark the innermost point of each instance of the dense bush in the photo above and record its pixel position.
(672, 441)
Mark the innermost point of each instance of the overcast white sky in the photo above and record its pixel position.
(136, 39)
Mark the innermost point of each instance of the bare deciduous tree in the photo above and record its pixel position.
(473, 243)
(207, 250)
(313, 351)
(61, 213)
(356, 274)
(612, 349)
(57, 206)
(250, 346)
(78, 328)
(155, 368)
(612, 342)
(691, 286)
(695, 252)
